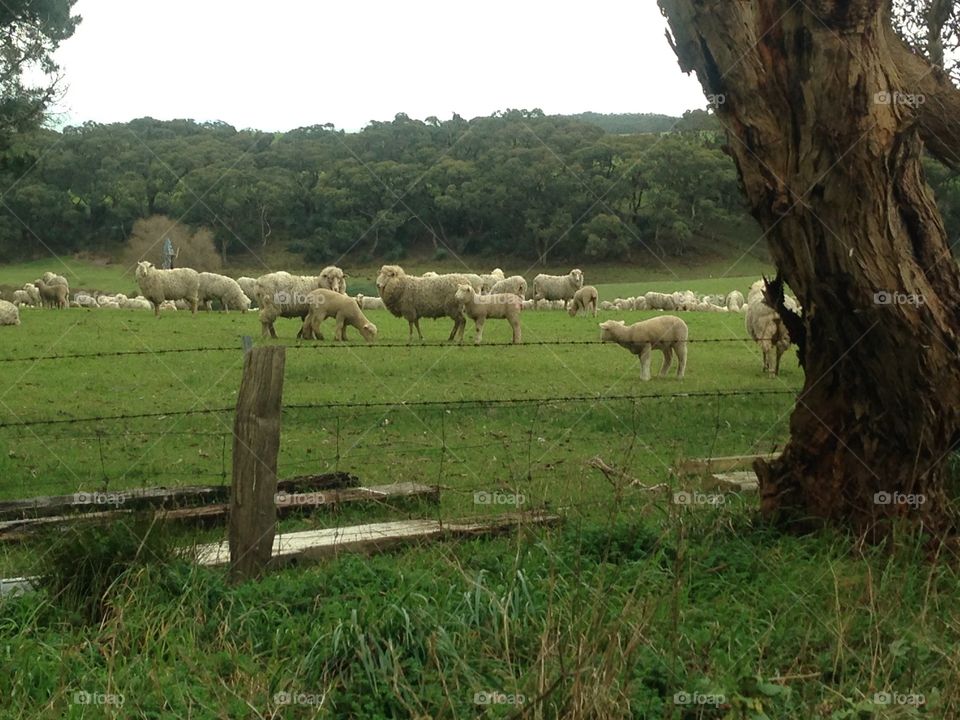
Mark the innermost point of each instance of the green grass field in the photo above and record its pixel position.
(635, 607)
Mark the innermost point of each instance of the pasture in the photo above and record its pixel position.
(636, 606)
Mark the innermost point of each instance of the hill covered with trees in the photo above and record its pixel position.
(518, 183)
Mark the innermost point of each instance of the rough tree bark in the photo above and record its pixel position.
(826, 129)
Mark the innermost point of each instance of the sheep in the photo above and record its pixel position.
(53, 279)
(158, 285)
(226, 290)
(21, 297)
(659, 301)
(53, 295)
(430, 274)
(326, 303)
(281, 294)
(685, 300)
(369, 303)
(667, 333)
(607, 305)
(528, 304)
(412, 297)
(504, 306)
(755, 293)
(34, 292)
(138, 303)
(734, 301)
(9, 313)
(767, 329)
(166, 305)
(514, 284)
(333, 278)
(556, 287)
(584, 299)
(492, 278)
(86, 300)
(640, 303)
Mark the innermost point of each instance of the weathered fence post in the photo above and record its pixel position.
(256, 443)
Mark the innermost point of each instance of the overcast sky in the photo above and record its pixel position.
(288, 63)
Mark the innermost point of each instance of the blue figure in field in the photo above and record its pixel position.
(168, 254)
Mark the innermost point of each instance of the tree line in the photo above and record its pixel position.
(518, 183)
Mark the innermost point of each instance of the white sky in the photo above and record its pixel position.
(289, 63)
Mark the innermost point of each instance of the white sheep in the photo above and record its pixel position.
(412, 297)
(158, 285)
(224, 289)
(585, 298)
(137, 303)
(480, 308)
(281, 294)
(667, 333)
(490, 279)
(430, 274)
(515, 284)
(640, 303)
(166, 305)
(326, 303)
(21, 297)
(34, 292)
(607, 305)
(249, 287)
(733, 301)
(86, 300)
(659, 301)
(333, 278)
(53, 279)
(9, 313)
(556, 287)
(369, 303)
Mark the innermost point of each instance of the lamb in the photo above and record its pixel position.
(326, 303)
(514, 284)
(158, 285)
(412, 297)
(281, 294)
(226, 290)
(9, 313)
(556, 287)
(53, 295)
(584, 299)
(333, 278)
(667, 333)
(249, 287)
(504, 306)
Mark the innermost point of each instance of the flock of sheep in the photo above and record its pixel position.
(458, 296)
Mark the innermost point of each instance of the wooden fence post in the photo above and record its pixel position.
(256, 444)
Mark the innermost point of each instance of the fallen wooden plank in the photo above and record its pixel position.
(709, 466)
(741, 481)
(287, 503)
(138, 498)
(318, 544)
(17, 586)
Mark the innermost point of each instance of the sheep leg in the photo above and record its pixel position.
(681, 359)
(416, 324)
(156, 308)
(193, 306)
(516, 330)
(776, 370)
(667, 359)
(645, 362)
(479, 338)
(340, 333)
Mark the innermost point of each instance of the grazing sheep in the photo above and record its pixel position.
(53, 295)
(607, 305)
(412, 297)
(369, 303)
(226, 290)
(158, 285)
(333, 278)
(556, 287)
(9, 313)
(640, 303)
(86, 300)
(326, 303)
(137, 303)
(766, 327)
(281, 294)
(584, 299)
(479, 308)
(667, 333)
(734, 301)
(249, 287)
(515, 284)
(21, 297)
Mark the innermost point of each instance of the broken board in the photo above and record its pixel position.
(741, 481)
(709, 466)
(318, 544)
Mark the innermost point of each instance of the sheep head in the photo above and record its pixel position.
(464, 293)
(388, 273)
(577, 276)
(369, 332)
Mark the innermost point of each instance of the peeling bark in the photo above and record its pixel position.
(828, 144)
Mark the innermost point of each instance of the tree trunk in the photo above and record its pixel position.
(824, 133)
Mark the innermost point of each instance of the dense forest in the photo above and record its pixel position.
(590, 187)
